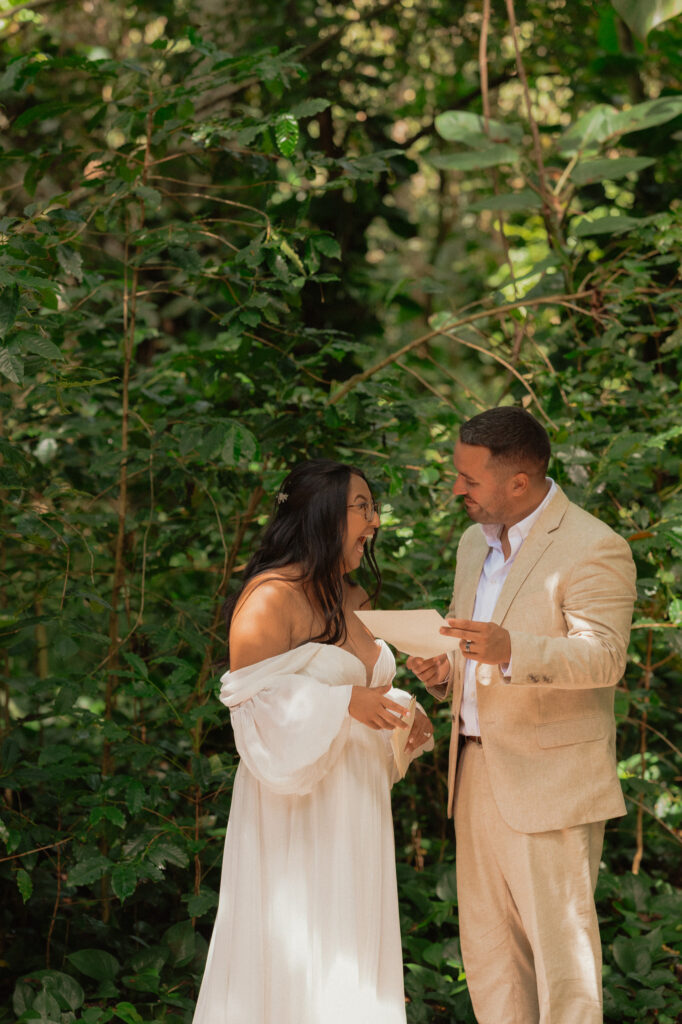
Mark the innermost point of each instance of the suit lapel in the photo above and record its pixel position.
(469, 573)
(539, 538)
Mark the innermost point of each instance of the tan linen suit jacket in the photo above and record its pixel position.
(549, 733)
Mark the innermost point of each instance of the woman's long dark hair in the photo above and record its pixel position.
(307, 529)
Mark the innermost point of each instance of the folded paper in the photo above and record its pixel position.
(412, 631)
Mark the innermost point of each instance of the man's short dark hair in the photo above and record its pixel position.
(511, 435)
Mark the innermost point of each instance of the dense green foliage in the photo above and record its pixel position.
(232, 239)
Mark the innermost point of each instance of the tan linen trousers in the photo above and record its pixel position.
(528, 924)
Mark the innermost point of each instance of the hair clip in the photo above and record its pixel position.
(282, 497)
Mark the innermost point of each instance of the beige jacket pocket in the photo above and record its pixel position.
(576, 730)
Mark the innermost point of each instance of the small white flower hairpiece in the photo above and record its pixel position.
(282, 497)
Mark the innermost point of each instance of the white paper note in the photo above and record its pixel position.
(412, 631)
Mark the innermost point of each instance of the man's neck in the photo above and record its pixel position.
(530, 507)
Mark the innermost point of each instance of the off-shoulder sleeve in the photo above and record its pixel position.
(288, 726)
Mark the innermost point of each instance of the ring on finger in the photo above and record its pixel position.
(467, 646)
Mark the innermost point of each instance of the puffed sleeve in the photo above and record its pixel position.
(288, 726)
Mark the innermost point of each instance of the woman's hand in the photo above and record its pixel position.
(421, 731)
(373, 708)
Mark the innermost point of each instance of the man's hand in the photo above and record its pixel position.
(480, 641)
(431, 671)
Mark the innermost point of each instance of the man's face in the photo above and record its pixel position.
(484, 483)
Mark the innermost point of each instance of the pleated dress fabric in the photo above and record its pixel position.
(307, 928)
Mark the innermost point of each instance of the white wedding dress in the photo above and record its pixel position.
(307, 928)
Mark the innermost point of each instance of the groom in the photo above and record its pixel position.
(542, 606)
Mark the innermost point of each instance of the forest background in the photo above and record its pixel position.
(237, 235)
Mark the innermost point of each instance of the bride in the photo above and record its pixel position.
(307, 928)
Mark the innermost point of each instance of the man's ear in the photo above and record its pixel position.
(519, 484)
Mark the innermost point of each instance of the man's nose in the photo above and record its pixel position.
(458, 487)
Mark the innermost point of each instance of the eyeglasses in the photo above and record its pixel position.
(368, 509)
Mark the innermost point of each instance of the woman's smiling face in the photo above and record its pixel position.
(358, 529)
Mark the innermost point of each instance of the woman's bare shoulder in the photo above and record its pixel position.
(266, 619)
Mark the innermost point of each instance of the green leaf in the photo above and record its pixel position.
(9, 307)
(89, 869)
(123, 881)
(308, 108)
(641, 16)
(200, 904)
(463, 126)
(127, 1013)
(648, 114)
(327, 245)
(11, 367)
(632, 956)
(239, 444)
(40, 346)
(106, 812)
(590, 129)
(286, 134)
(611, 170)
(71, 262)
(42, 112)
(150, 196)
(95, 963)
(606, 226)
(490, 157)
(24, 884)
(526, 199)
(181, 941)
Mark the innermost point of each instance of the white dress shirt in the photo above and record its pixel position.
(495, 572)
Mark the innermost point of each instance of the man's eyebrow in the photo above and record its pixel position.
(362, 497)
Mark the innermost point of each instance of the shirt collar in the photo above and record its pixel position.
(519, 531)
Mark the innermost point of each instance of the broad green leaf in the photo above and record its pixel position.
(65, 989)
(641, 16)
(41, 347)
(107, 812)
(286, 134)
(9, 307)
(239, 444)
(632, 956)
(610, 170)
(150, 196)
(47, 1006)
(123, 881)
(70, 261)
(463, 126)
(181, 940)
(308, 108)
(95, 963)
(648, 114)
(42, 112)
(11, 367)
(473, 161)
(327, 245)
(661, 440)
(590, 129)
(89, 869)
(606, 226)
(526, 199)
(24, 884)
(200, 904)
(127, 1013)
